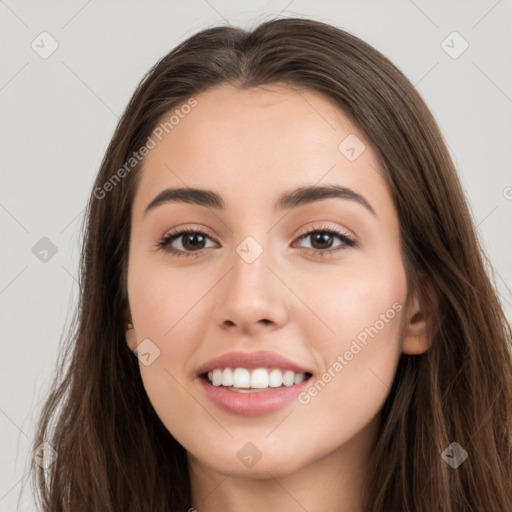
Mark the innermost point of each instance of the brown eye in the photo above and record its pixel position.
(192, 242)
(321, 240)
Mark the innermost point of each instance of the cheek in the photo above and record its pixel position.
(165, 302)
(166, 309)
(360, 302)
(358, 360)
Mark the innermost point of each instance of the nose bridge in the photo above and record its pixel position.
(250, 275)
(251, 292)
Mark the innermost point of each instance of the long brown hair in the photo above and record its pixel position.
(112, 452)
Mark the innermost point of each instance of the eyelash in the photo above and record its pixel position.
(164, 243)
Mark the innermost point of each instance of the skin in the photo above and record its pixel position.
(250, 147)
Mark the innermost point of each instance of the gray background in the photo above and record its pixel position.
(59, 113)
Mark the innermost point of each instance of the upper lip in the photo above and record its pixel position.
(251, 360)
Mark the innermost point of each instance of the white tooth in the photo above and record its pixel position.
(275, 378)
(259, 378)
(217, 377)
(299, 377)
(241, 378)
(288, 377)
(210, 376)
(227, 377)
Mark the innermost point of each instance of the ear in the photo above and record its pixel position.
(131, 339)
(130, 336)
(417, 335)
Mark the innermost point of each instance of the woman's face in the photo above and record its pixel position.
(252, 291)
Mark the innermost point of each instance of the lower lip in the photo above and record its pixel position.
(257, 403)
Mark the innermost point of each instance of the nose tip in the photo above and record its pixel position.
(250, 296)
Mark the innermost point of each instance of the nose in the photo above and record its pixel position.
(251, 298)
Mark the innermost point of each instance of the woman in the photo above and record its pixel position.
(278, 233)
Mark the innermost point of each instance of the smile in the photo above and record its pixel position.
(252, 384)
(249, 401)
(246, 380)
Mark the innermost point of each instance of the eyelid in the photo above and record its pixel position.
(348, 240)
(195, 228)
(327, 227)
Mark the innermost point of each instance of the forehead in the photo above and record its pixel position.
(256, 141)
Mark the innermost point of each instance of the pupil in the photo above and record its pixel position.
(191, 240)
(322, 238)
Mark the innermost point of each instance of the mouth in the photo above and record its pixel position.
(257, 392)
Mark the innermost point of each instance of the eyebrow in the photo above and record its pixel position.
(291, 199)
